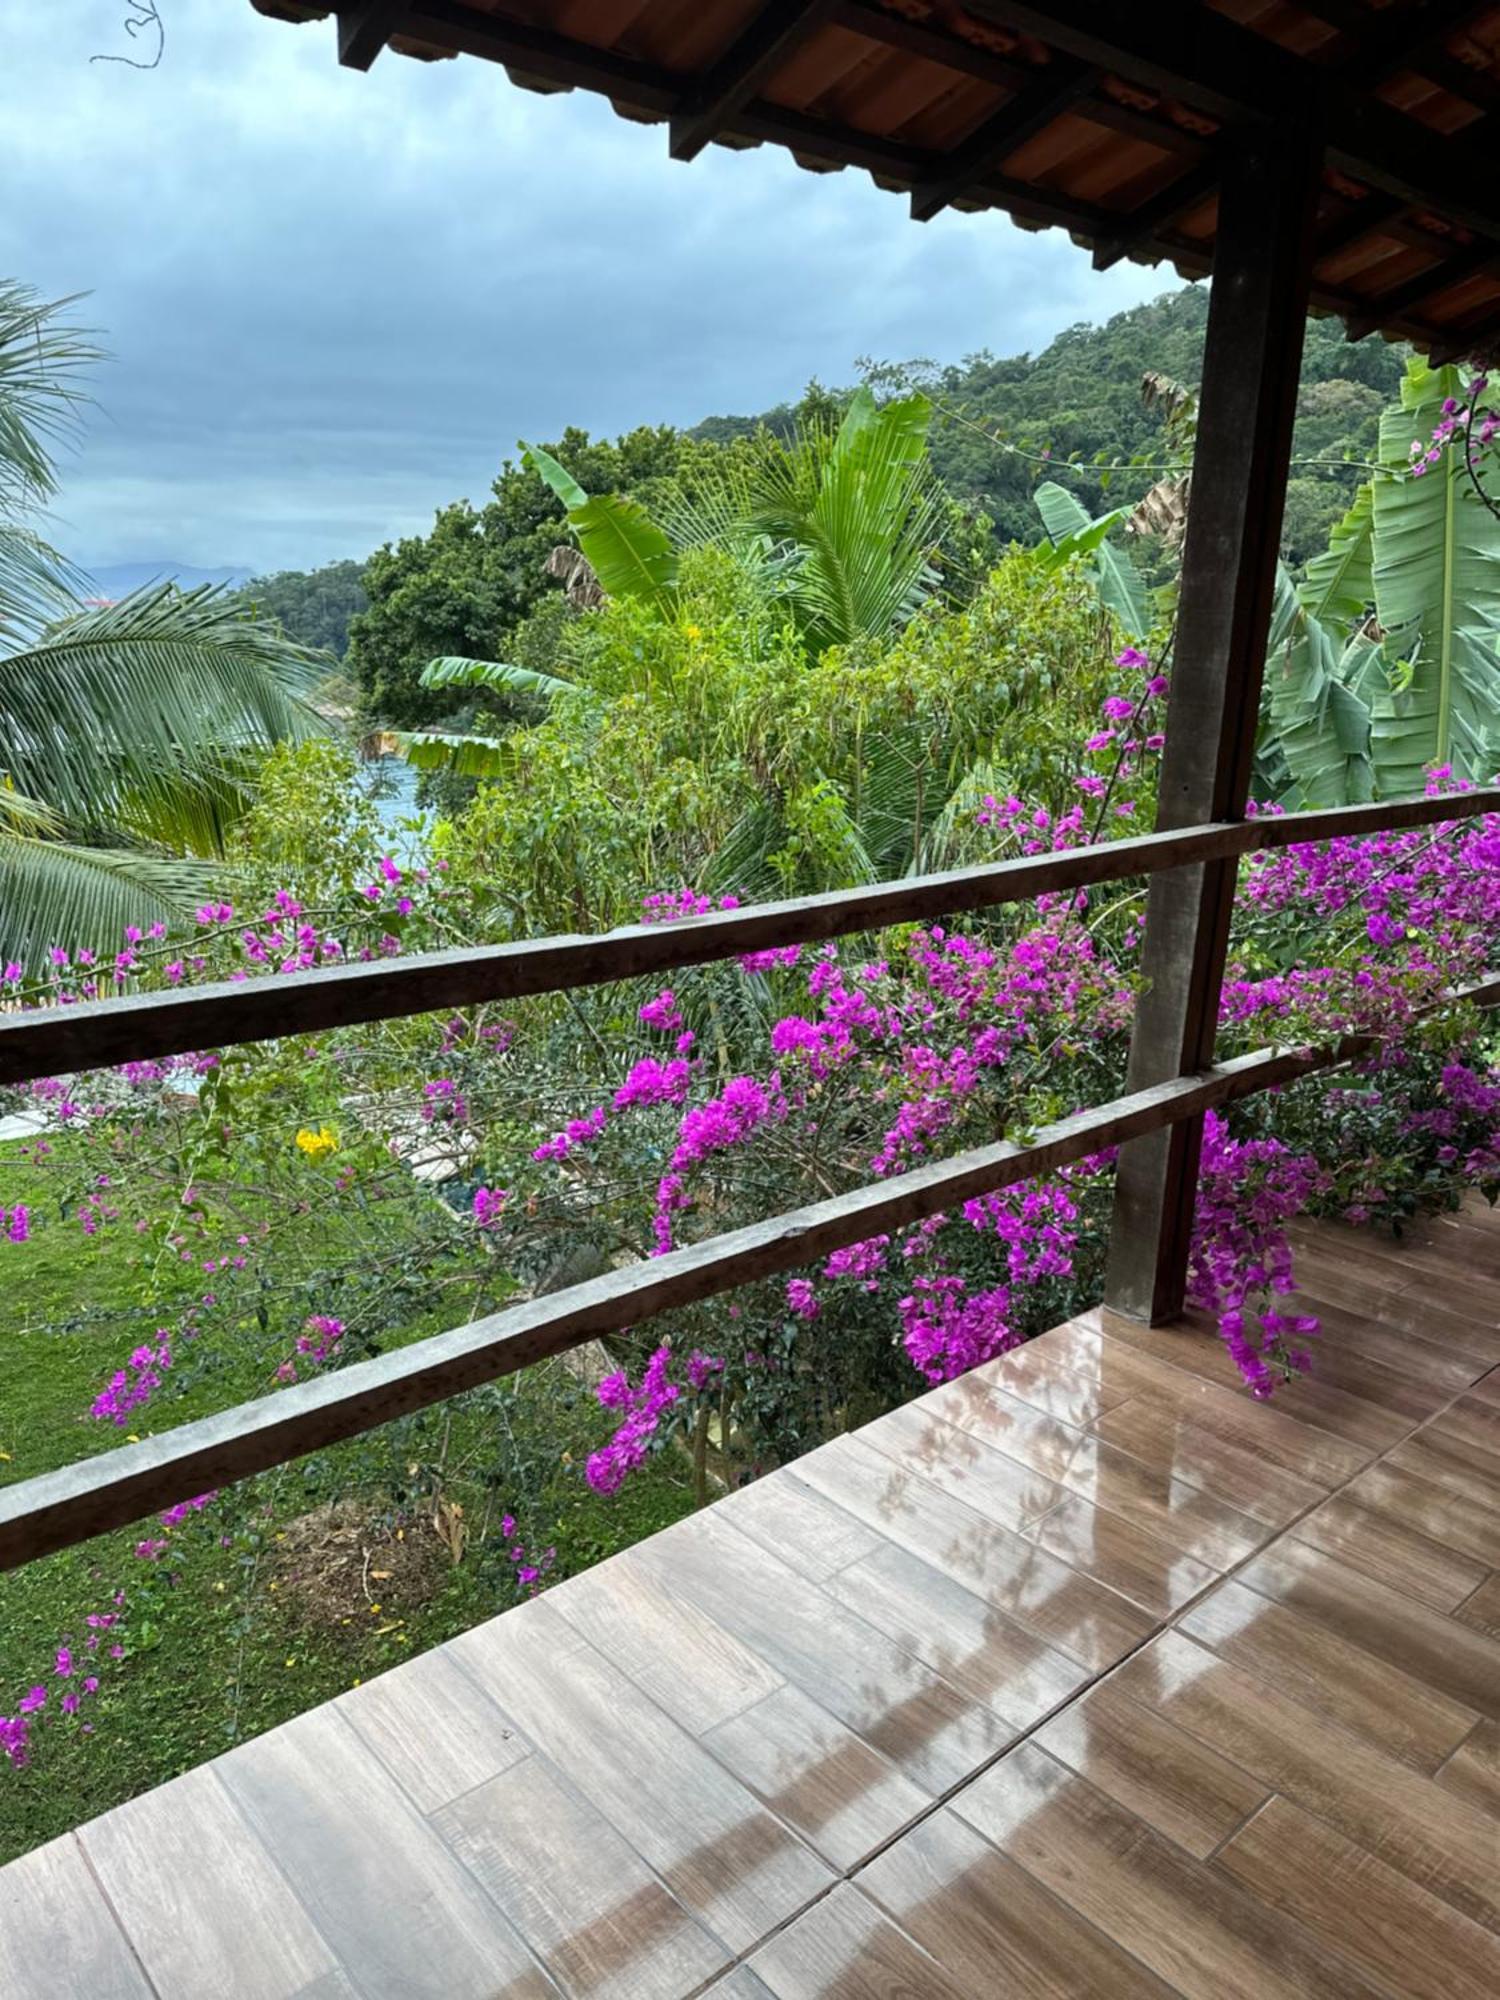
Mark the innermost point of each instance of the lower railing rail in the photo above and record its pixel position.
(60, 1509)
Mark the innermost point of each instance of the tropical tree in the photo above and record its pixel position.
(836, 528)
(128, 732)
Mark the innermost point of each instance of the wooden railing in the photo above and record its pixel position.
(59, 1509)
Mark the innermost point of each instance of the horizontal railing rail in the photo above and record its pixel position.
(52, 1041)
(59, 1509)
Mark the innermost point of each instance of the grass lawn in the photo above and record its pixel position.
(333, 1569)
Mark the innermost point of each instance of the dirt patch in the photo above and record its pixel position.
(349, 1561)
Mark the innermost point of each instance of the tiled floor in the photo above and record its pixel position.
(1085, 1675)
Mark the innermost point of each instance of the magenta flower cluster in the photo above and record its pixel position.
(641, 1408)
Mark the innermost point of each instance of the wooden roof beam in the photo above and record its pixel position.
(1052, 91)
(365, 28)
(1164, 208)
(736, 78)
(1240, 77)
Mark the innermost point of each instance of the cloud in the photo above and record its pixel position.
(334, 301)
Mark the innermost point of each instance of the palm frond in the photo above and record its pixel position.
(165, 690)
(54, 892)
(41, 359)
(37, 585)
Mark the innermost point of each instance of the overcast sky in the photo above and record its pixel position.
(334, 301)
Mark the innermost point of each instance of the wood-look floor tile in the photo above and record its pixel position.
(801, 1527)
(1188, 1922)
(1038, 1374)
(1459, 1523)
(1354, 1335)
(993, 1926)
(153, 1856)
(1481, 1609)
(1121, 1555)
(1323, 1670)
(596, 1916)
(1487, 1388)
(401, 1914)
(1392, 1553)
(930, 1731)
(334, 1985)
(673, 1652)
(981, 1651)
(1469, 1421)
(1192, 1521)
(1370, 1427)
(1171, 1441)
(1441, 1651)
(1405, 1939)
(846, 1949)
(734, 1866)
(434, 1731)
(1473, 1772)
(1441, 1842)
(1468, 1470)
(58, 1940)
(741, 1984)
(1070, 1611)
(842, 1796)
(1173, 1782)
(1350, 1368)
(1106, 1343)
(1277, 1432)
(1003, 1489)
(1418, 1308)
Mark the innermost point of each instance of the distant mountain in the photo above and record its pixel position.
(114, 580)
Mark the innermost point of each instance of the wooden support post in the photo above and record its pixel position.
(1252, 355)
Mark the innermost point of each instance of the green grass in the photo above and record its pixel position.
(218, 1648)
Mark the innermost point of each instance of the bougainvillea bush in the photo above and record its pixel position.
(278, 1211)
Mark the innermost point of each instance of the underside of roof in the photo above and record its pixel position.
(1107, 120)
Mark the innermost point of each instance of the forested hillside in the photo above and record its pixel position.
(1074, 412)
(1005, 424)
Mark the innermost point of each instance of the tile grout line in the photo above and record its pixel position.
(114, 1915)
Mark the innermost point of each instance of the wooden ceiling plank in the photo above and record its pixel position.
(1228, 71)
(1401, 38)
(1052, 91)
(1363, 218)
(539, 51)
(736, 78)
(1426, 285)
(896, 31)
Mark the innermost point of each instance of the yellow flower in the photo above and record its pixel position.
(693, 631)
(316, 1144)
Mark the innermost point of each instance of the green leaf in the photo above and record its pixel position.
(455, 671)
(1118, 581)
(1310, 718)
(468, 756)
(1436, 574)
(1340, 586)
(562, 482)
(628, 552)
